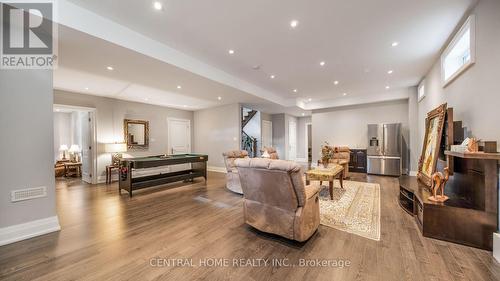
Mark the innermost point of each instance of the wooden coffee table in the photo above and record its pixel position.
(326, 174)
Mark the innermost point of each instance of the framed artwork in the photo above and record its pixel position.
(434, 124)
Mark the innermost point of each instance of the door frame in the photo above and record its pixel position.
(262, 134)
(93, 132)
(306, 140)
(288, 137)
(168, 131)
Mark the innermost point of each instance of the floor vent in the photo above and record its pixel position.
(28, 193)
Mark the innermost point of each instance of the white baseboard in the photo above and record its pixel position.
(496, 246)
(413, 173)
(18, 232)
(303, 160)
(217, 169)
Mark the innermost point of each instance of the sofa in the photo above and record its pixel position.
(232, 177)
(341, 156)
(276, 199)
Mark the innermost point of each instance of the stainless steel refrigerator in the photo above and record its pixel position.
(384, 149)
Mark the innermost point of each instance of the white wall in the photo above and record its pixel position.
(109, 122)
(26, 147)
(348, 125)
(474, 95)
(217, 130)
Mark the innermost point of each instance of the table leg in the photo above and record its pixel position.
(330, 185)
(341, 179)
(320, 183)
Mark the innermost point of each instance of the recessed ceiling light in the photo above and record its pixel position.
(389, 72)
(231, 52)
(344, 94)
(295, 90)
(309, 99)
(322, 63)
(303, 114)
(157, 5)
(294, 23)
(387, 87)
(110, 68)
(146, 99)
(336, 82)
(219, 98)
(184, 106)
(87, 88)
(57, 110)
(272, 76)
(179, 87)
(394, 44)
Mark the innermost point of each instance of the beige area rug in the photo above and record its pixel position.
(354, 209)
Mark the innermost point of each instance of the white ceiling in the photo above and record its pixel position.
(353, 37)
(83, 61)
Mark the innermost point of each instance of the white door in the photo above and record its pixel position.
(179, 140)
(267, 133)
(292, 140)
(179, 136)
(86, 123)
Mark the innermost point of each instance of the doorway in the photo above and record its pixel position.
(267, 134)
(292, 140)
(74, 143)
(308, 142)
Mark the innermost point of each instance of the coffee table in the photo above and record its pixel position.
(326, 174)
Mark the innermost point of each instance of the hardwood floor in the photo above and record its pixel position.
(106, 236)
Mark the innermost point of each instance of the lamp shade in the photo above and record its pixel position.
(74, 148)
(115, 147)
(63, 147)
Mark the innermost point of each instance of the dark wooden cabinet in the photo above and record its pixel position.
(357, 161)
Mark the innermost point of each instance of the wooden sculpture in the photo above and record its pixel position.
(438, 183)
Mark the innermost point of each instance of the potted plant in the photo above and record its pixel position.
(326, 154)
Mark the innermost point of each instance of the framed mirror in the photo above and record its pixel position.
(432, 140)
(136, 133)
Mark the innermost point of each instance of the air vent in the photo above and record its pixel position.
(28, 193)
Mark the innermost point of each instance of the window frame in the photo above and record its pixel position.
(470, 24)
(419, 87)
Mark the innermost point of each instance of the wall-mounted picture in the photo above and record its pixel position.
(432, 140)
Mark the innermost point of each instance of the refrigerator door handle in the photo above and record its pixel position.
(384, 139)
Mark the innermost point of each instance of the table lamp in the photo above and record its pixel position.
(74, 150)
(63, 148)
(116, 149)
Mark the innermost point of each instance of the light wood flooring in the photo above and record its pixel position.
(106, 236)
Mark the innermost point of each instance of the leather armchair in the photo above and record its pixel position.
(341, 156)
(232, 177)
(276, 199)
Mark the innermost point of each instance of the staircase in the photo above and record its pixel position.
(247, 115)
(248, 143)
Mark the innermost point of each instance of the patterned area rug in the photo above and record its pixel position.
(354, 209)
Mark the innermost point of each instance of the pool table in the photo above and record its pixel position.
(130, 166)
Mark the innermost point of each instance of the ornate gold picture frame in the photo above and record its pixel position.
(136, 133)
(434, 124)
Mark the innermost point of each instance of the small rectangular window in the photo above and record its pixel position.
(460, 53)
(421, 91)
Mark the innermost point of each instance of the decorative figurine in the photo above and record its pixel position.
(438, 183)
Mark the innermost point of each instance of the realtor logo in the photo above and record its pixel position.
(27, 35)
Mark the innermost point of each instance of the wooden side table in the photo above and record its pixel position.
(109, 171)
(73, 166)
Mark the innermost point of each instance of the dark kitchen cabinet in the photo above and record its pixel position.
(357, 161)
